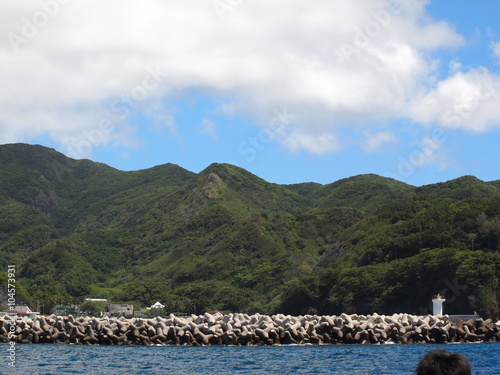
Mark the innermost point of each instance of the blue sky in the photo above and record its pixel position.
(295, 91)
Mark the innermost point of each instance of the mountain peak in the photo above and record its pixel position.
(465, 187)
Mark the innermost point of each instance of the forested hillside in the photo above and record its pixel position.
(225, 239)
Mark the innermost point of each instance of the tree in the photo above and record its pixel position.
(472, 237)
(93, 308)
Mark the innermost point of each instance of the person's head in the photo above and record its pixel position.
(442, 362)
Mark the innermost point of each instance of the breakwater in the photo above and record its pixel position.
(244, 329)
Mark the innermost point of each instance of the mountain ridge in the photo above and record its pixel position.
(225, 238)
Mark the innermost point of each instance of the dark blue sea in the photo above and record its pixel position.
(54, 359)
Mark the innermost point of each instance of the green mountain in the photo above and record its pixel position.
(365, 192)
(466, 187)
(226, 239)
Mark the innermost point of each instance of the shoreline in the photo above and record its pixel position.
(247, 330)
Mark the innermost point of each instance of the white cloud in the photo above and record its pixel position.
(161, 117)
(428, 150)
(314, 143)
(91, 61)
(467, 101)
(495, 46)
(375, 141)
(207, 126)
(455, 66)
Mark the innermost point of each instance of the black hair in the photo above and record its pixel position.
(442, 362)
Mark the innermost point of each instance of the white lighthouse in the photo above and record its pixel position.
(437, 305)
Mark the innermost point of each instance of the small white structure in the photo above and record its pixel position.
(156, 305)
(437, 305)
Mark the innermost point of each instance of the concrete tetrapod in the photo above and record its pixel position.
(243, 329)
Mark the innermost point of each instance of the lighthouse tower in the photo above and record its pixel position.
(437, 305)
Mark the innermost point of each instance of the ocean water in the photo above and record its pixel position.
(56, 359)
